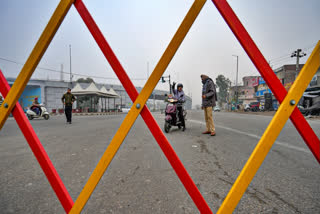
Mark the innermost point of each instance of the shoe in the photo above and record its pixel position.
(184, 128)
(213, 133)
(206, 132)
(70, 123)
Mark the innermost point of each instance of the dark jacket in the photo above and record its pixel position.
(68, 99)
(209, 90)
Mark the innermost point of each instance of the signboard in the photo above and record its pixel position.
(261, 87)
(287, 86)
(261, 81)
(255, 81)
(262, 92)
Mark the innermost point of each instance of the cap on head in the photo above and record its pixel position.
(203, 76)
(36, 98)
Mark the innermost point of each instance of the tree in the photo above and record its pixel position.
(88, 80)
(223, 84)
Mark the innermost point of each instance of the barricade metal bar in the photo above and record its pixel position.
(34, 58)
(272, 132)
(38, 150)
(267, 73)
(142, 98)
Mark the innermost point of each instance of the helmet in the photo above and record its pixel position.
(179, 85)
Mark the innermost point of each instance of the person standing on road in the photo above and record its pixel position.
(1, 101)
(68, 99)
(209, 98)
(179, 95)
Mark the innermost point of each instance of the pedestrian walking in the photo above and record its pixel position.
(68, 99)
(209, 98)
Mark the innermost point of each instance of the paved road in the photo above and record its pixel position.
(140, 180)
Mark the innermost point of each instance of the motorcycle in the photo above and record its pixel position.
(43, 113)
(171, 114)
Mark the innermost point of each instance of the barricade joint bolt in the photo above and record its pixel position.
(6, 105)
(138, 106)
(292, 102)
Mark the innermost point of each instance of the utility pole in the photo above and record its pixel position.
(237, 78)
(70, 66)
(298, 53)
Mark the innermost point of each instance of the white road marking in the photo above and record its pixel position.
(283, 144)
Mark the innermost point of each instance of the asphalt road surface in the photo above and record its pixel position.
(140, 179)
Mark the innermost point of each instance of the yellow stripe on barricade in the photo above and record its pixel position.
(137, 106)
(272, 132)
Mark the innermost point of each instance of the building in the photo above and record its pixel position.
(246, 92)
(287, 74)
(254, 88)
(49, 92)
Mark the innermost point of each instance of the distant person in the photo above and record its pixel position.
(35, 106)
(179, 95)
(1, 100)
(209, 98)
(68, 99)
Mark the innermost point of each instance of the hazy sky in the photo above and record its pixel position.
(140, 30)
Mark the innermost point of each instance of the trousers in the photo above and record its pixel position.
(68, 112)
(209, 119)
(180, 114)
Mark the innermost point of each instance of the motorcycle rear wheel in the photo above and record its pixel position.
(167, 127)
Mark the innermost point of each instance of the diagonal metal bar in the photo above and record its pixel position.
(34, 59)
(267, 73)
(272, 132)
(134, 112)
(38, 150)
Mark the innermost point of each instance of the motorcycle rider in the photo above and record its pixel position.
(179, 95)
(36, 106)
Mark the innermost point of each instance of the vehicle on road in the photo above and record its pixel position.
(247, 107)
(262, 106)
(125, 110)
(171, 114)
(216, 108)
(310, 102)
(31, 113)
(254, 106)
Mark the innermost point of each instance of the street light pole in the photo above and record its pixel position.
(70, 67)
(237, 78)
